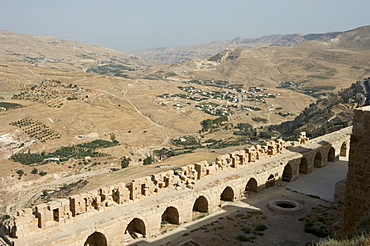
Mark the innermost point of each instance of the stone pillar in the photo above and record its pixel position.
(44, 215)
(202, 169)
(357, 197)
(77, 205)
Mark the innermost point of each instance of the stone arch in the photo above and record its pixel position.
(318, 159)
(227, 194)
(331, 155)
(270, 181)
(136, 228)
(251, 185)
(96, 239)
(303, 165)
(201, 205)
(343, 150)
(171, 215)
(287, 173)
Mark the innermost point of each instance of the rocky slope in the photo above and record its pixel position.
(329, 114)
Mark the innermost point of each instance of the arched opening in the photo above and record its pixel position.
(136, 228)
(270, 181)
(287, 173)
(303, 166)
(96, 239)
(331, 155)
(201, 205)
(200, 208)
(343, 150)
(318, 160)
(170, 215)
(251, 185)
(227, 194)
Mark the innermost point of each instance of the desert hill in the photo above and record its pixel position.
(61, 54)
(347, 39)
(308, 65)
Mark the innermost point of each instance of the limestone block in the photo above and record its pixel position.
(302, 139)
(234, 160)
(202, 169)
(43, 214)
(120, 194)
(252, 154)
(77, 205)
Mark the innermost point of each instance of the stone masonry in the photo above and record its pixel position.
(357, 194)
(115, 214)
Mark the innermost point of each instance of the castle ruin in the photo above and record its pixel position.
(116, 214)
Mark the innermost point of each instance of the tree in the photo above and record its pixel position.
(164, 153)
(125, 161)
(148, 160)
(20, 173)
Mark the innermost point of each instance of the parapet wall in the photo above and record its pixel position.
(108, 208)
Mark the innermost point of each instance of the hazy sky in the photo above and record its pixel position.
(127, 25)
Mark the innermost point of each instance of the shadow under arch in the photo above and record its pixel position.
(270, 181)
(251, 185)
(136, 228)
(227, 194)
(201, 205)
(96, 239)
(331, 154)
(318, 160)
(303, 165)
(287, 173)
(343, 150)
(171, 215)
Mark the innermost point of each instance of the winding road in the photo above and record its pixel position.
(167, 137)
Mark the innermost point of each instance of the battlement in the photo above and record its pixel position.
(63, 211)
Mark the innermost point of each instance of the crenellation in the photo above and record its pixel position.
(106, 198)
(252, 154)
(188, 173)
(242, 157)
(44, 215)
(203, 169)
(120, 193)
(221, 161)
(234, 160)
(78, 204)
(140, 188)
(162, 180)
(26, 222)
(224, 161)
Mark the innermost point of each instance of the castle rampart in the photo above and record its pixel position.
(114, 215)
(357, 191)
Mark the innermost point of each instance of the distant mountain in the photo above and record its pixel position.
(348, 39)
(314, 63)
(62, 54)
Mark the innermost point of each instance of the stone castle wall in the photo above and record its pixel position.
(357, 194)
(121, 212)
